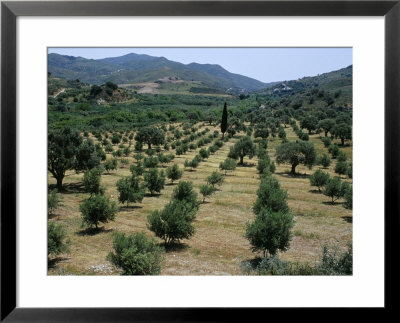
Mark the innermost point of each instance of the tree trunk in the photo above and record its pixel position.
(293, 169)
(241, 160)
(342, 139)
(59, 183)
(223, 135)
(149, 145)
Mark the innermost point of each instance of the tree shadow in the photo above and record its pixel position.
(347, 218)
(127, 208)
(315, 191)
(295, 175)
(174, 247)
(330, 203)
(171, 184)
(246, 164)
(92, 231)
(152, 195)
(51, 263)
(73, 188)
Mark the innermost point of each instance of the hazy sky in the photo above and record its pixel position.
(264, 64)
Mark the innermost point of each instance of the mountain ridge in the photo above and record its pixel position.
(134, 68)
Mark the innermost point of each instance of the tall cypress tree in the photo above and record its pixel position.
(224, 121)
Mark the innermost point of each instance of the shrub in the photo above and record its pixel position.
(151, 162)
(333, 189)
(111, 164)
(53, 201)
(206, 190)
(341, 168)
(154, 180)
(319, 179)
(184, 192)
(174, 173)
(97, 209)
(270, 231)
(136, 254)
(263, 164)
(215, 178)
(270, 196)
(324, 160)
(228, 164)
(203, 153)
(334, 150)
(174, 222)
(272, 167)
(138, 169)
(56, 236)
(130, 190)
(341, 156)
(91, 181)
(326, 141)
(348, 196)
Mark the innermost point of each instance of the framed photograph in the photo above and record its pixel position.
(202, 150)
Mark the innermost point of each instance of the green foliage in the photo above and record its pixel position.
(185, 192)
(204, 153)
(174, 222)
(272, 167)
(150, 136)
(86, 156)
(97, 209)
(111, 164)
(53, 201)
(295, 153)
(334, 150)
(224, 120)
(138, 169)
(341, 168)
(216, 178)
(334, 189)
(261, 132)
(136, 254)
(326, 141)
(151, 162)
(206, 190)
(341, 157)
(324, 160)
(228, 164)
(342, 131)
(56, 236)
(91, 181)
(319, 179)
(62, 148)
(348, 196)
(174, 173)
(270, 231)
(243, 147)
(130, 190)
(270, 196)
(263, 164)
(154, 180)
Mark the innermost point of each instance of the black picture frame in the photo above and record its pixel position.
(10, 10)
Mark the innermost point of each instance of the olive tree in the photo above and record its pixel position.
(270, 231)
(243, 147)
(174, 173)
(136, 254)
(62, 148)
(150, 136)
(319, 179)
(295, 153)
(97, 209)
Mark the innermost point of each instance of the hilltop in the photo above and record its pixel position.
(132, 69)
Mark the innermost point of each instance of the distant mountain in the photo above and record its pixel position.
(135, 68)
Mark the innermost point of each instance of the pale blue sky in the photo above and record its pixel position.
(264, 64)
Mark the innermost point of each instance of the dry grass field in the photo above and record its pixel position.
(218, 246)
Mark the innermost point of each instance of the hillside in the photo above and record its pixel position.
(134, 68)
